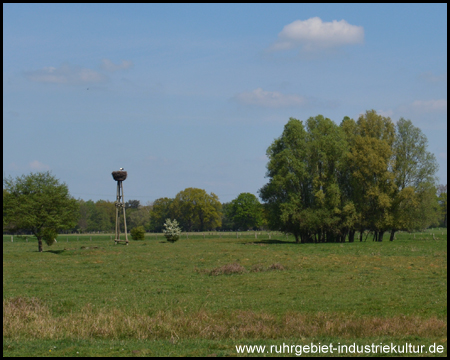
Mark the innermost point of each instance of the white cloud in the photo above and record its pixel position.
(430, 77)
(314, 34)
(66, 74)
(430, 105)
(385, 113)
(38, 166)
(108, 65)
(269, 99)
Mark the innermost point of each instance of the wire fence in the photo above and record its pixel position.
(435, 233)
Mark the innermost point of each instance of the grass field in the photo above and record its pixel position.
(207, 293)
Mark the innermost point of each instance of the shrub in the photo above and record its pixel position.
(138, 233)
(171, 230)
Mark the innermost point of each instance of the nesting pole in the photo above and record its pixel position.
(120, 176)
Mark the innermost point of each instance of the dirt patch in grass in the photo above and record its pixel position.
(228, 269)
(276, 266)
(236, 268)
(262, 268)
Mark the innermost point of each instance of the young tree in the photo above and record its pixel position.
(171, 230)
(40, 204)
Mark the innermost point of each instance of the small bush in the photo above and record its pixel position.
(138, 233)
(171, 230)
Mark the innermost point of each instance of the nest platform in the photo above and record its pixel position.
(119, 175)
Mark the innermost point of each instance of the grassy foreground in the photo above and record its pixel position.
(205, 294)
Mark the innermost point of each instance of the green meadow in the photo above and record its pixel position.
(207, 293)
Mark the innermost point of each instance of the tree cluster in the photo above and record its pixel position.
(101, 216)
(328, 181)
(194, 209)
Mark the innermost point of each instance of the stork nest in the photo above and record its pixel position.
(119, 175)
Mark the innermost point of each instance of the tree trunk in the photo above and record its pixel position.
(380, 236)
(392, 235)
(375, 236)
(296, 238)
(361, 233)
(351, 236)
(40, 244)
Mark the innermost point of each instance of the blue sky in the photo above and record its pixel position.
(191, 95)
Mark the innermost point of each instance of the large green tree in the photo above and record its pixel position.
(288, 191)
(195, 209)
(246, 211)
(40, 204)
(303, 195)
(370, 162)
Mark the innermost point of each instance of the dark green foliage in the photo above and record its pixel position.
(132, 204)
(161, 210)
(195, 209)
(50, 236)
(138, 233)
(246, 212)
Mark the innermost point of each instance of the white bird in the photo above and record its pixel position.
(121, 169)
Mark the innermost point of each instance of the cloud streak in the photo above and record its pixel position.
(66, 74)
(314, 34)
(38, 166)
(432, 78)
(430, 105)
(260, 97)
(108, 65)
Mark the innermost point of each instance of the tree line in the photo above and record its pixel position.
(193, 208)
(326, 182)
